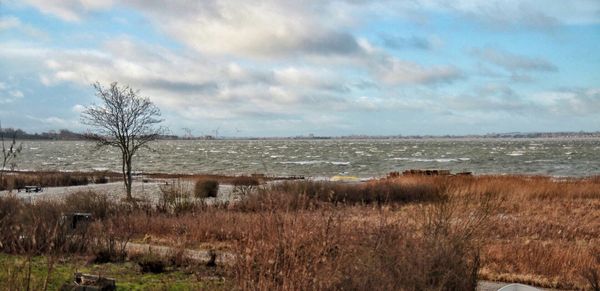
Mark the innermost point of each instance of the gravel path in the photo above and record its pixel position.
(494, 286)
(150, 191)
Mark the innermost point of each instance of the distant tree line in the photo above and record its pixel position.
(62, 134)
(65, 134)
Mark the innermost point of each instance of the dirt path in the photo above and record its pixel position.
(494, 286)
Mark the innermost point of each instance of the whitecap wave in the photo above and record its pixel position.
(438, 160)
(338, 163)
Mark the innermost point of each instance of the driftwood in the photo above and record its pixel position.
(89, 282)
(426, 172)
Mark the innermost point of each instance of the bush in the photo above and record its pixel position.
(307, 194)
(103, 256)
(110, 238)
(150, 263)
(245, 181)
(34, 228)
(99, 205)
(244, 185)
(176, 198)
(321, 250)
(101, 180)
(206, 188)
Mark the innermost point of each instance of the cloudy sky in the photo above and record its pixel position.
(287, 67)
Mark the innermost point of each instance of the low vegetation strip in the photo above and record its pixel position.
(18, 180)
(403, 233)
(15, 180)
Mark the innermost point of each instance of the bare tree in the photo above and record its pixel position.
(9, 154)
(124, 120)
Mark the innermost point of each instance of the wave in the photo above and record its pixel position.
(316, 162)
(439, 160)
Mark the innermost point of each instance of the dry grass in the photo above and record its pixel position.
(403, 233)
(13, 180)
(545, 232)
(18, 180)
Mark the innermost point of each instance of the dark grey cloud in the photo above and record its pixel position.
(331, 43)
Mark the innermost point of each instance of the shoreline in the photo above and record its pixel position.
(523, 136)
(226, 177)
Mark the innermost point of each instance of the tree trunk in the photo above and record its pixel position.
(2, 174)
(124, 172)
(129, 178)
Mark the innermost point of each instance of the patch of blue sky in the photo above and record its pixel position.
(91, 32)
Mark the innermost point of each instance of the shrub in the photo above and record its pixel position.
(244, 185)
(592, 273)
(35, 228)
(110, 238)
(176, 198)
(150, 263)
(206, 188)
(101, 180)
(306, 194)
(99, 205)
(318, 250)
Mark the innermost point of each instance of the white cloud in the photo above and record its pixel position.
(255, 29)
(9, 22)
(9, 94)
(265, 28)
(395, 72)
(78, 108)
(276, 28)
(494, 98)
(288, 15)
(532, 13)
(16, 93)
(183, 82)
(570, 101)
(69, 10)
(14, 23)
(52, 121)
(513, 62)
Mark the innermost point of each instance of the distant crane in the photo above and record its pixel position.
(217, 132)
(187, 133)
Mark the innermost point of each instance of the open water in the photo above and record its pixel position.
(323, 158)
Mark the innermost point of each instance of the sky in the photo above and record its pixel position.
(288, 67)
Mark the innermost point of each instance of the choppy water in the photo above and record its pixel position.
(364, 158)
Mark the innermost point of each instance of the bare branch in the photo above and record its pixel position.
(124, 120)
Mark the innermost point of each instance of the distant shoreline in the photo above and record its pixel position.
(267, 177)
(74, 136)
(375, 138)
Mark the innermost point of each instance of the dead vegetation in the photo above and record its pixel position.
(18, 180)
(402, 233)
